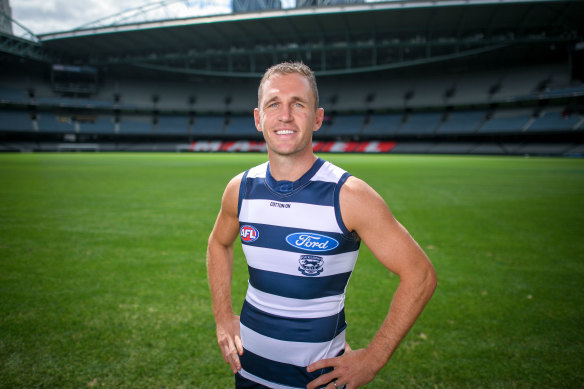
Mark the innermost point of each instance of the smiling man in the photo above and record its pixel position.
(301, 221)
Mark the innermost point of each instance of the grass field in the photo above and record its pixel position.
(103, 278)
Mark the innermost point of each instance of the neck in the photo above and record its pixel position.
(288, 168)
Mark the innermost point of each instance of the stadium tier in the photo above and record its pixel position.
(352, 126)
(350, 94)
(464, 122)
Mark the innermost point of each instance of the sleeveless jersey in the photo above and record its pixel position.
(300, 257)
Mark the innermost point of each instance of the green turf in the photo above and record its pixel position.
(103, 279)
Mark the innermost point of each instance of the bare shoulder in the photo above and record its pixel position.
(234, 183)
(231, 195)
(360, 203)
(356, 185)
(357, 193)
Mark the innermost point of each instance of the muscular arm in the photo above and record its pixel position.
(365, 212)
(219, 273)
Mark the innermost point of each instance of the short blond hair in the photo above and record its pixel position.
(290, 68)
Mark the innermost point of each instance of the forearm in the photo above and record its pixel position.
(408, 302)
(219, 273)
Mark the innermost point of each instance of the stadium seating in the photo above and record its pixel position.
(401, 107)
(209, 125)
(415, 91)
(173, 124)
(13, 94)
(428, 91)
(471, 88)
(555, 120)
(421, 123)
(544, 148)
(101, 124)
(241, 125)
(136, 125)
(53, 122)
(346, 125)
(464, 122)
(382, 125)
(15, 121)
(514, 120)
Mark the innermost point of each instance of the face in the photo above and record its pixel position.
(287, 115)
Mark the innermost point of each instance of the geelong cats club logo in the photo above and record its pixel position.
(249, 234)
(311, 265)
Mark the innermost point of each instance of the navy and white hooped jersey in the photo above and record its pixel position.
(300, 257)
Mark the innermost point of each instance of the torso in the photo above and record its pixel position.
(300, 257)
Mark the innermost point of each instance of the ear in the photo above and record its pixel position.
(319, 119)
(257, 119)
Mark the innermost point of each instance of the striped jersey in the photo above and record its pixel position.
(300, 257)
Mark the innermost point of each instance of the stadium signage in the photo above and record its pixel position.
(318, 146)
(312, 242)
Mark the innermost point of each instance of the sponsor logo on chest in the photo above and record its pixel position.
(276, 204)
(312, 242)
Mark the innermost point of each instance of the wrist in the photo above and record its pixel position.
(377, 356)
(223, 317)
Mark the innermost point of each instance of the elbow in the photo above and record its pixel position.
(430, 280)
(213, 243)
(420, 280)
(216, 248)
(211, 240)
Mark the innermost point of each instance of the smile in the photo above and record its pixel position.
(284, 132)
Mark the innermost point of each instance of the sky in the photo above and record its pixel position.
(44, 16)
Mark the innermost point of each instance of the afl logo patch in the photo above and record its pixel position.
(249, 234)
(312, 242)
(311, 265)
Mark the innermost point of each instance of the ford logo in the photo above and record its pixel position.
(312, 242)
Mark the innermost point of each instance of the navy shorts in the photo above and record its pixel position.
(244, 383)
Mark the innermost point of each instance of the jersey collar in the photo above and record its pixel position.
(287, 187)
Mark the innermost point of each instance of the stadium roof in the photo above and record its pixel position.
(337, 39)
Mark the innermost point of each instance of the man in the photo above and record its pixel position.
(301, 221)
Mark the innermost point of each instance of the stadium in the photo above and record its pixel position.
(471, 77)
(118, 137)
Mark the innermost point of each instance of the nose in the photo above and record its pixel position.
(285, 113)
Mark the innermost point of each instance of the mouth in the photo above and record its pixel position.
(285, 132)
